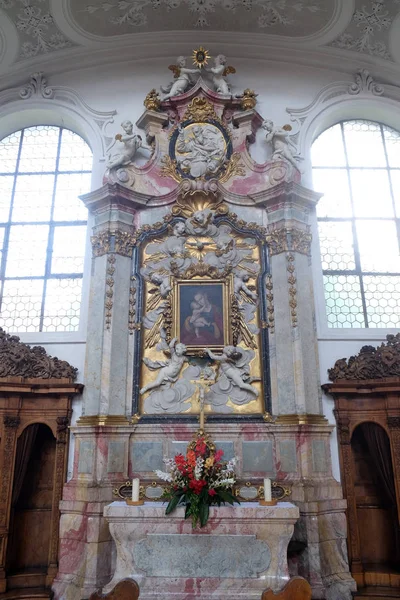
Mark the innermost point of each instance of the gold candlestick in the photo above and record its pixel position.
(201, 401)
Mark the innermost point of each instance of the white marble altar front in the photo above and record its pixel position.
(241, 552)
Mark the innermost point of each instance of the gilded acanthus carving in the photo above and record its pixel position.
(292, 288)
(293, 239)
(101, 243)
(19, 359)
(371, 362)
(109, 294)
(270, 307)
(123, 242)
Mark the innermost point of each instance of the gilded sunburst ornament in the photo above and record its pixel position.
(200, 57)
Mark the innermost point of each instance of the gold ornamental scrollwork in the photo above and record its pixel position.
(248, 100)
(292, 288)
(123, 242)
(277, 241)
(101, 243)
(270, 304)
(152, 100)
(300, 241)
(234, 167)
(132, 306)
(169, 169)
(200, 110)
(109, 289)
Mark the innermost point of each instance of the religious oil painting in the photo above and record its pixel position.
(202, 314)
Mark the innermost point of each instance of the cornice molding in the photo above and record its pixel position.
(267, 49)
(363, 88)
(37, 93)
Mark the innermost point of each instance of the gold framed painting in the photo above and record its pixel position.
(202, 315)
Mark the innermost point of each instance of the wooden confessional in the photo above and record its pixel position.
(36, 391)
(366, 390)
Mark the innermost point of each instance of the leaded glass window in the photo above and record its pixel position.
(43, 170)
(356, 164)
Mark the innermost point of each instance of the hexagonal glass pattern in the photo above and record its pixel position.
(356, 164)
(43, 171)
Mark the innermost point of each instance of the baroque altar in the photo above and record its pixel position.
(201, 294)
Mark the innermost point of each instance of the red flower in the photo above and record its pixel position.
(212, 493)
(218, 455)
(197, 485)
(201, 448)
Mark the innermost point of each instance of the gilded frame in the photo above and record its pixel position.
(220, 288)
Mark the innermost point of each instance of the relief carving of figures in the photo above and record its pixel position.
(201, 291)
(282, 146)
(219, 72)
(200, 149)
(182, 79)
(233, 380)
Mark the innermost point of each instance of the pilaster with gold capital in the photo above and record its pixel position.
(111, 315)
(294, 345)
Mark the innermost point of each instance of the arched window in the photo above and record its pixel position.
(43, 170)
(356, 164)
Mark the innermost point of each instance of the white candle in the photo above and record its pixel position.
(267, 490)
(135, 490)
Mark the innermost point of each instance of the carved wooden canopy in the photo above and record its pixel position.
(19, 359)
(371, 362)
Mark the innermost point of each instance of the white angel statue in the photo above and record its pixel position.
(182, 76)
(169, 369)
(282, 145)
(219, 71)
(131, 141)
(234, 369)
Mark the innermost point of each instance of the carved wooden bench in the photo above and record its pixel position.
(296, 589)
(127, 589)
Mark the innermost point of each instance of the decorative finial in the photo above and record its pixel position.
(248, 100)
(152, 100)
(200, 57)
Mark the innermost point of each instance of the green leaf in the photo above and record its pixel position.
(173, 503)
(203, 514)
(226, 496)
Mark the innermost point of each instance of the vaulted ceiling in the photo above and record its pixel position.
(32, 31)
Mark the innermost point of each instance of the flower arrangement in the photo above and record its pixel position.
(198, 480)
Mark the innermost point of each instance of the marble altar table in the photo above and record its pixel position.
(241, 552)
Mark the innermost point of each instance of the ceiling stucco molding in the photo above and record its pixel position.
(37, 97)
(341, 17)
(9, 41)
(257, 48)
(394, 39)
(362, 98)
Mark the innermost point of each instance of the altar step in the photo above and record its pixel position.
(27, 594)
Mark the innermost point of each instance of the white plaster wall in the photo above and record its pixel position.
(123, 87)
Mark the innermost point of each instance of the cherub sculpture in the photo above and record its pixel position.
(219, 71)
(131, 141)
(182, 77)
(169, 369)
(241, 288)
(233, 367)
(282, 146)
(163, 282)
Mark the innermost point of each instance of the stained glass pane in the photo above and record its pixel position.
(392, 142)
(364, 144)
(62, 305)
(33, 198)
(378, 245)
(343, 301)
(336, 243)
(21, 305)
(67, 205)
(327, 150)
(382, 296)
(9, 147)
(371, 193)
(39, 149)
(6, 185)
(75, 154)
(68, 249)
(334, 183)
(27, 250)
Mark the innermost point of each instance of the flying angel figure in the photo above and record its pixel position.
(169, 369)
(182, 76)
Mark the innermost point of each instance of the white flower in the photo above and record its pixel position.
(228, 482)
(199, 467)
(164, 476)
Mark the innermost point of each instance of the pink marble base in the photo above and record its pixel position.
(241, 552)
